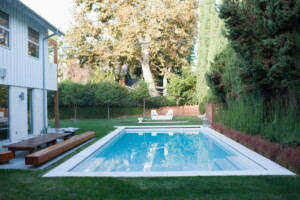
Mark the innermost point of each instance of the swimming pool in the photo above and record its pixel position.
(167, 151)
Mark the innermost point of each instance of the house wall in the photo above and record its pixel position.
(18, 122)
(18, 127)
(37, 111)
(23, 70)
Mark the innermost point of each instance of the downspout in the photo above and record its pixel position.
(44, 82)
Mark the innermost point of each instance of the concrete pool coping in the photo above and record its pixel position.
(271, 168)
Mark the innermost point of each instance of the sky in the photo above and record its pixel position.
(57, 12)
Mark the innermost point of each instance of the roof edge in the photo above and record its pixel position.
(27, 9)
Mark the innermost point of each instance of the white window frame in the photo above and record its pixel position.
(38, 44)
(6, 30)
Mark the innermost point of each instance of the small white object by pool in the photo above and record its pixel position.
(166, 151)
(140, 119)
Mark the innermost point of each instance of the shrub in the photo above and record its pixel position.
(109, 94)
(209, 98)
(275, 122)
(182, 89)
(73, 95)
(257, 75)
(160, 101)
(285, 156)
(95, 112)
(202, 108)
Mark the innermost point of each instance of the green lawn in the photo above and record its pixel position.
(20, 184)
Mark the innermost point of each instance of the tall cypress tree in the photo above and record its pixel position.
(210, 43)
(265, 34)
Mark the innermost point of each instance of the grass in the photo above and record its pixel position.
(21, 184)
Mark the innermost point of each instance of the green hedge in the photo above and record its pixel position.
(89, 95)
(94, 112)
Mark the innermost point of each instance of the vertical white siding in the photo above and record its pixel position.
(37, 111)
(18, 121)
(22, 69)
(18, 127)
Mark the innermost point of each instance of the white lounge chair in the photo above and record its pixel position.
(153, 113)
(170, 113)
(155, 116)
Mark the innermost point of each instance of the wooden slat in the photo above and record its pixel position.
(44, 155)
(6, 156)
(32, 143)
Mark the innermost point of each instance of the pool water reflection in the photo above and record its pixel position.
(161, 151)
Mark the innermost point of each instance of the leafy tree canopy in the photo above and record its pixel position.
(182, 89)
(154, 34)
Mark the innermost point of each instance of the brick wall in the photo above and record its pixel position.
(182, 110)
(211, 111)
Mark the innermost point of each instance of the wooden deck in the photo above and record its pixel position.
(32, 143)
(44, 155)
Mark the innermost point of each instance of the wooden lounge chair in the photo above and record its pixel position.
(47, 154)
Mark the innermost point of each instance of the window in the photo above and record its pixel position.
(4, 132)
(33, 43)
(4, 29)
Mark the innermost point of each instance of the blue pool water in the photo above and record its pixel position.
(161, 151)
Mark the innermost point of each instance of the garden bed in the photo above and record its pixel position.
(288, 157)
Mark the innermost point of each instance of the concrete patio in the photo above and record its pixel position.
(19, 161)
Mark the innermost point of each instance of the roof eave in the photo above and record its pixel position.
(28, 11)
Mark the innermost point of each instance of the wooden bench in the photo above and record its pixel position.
(36, 142)
(44, 155)
(6, 156)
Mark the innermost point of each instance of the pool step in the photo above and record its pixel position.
(95, 163)
(224, 164)
(244, 163)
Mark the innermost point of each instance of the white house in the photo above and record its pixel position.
(26, 74)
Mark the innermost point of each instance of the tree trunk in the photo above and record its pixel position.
(108, 112)
(165, 84)
(75, 112)
(144, 105)
(145, 62)
(177, 102)
(165, 81)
